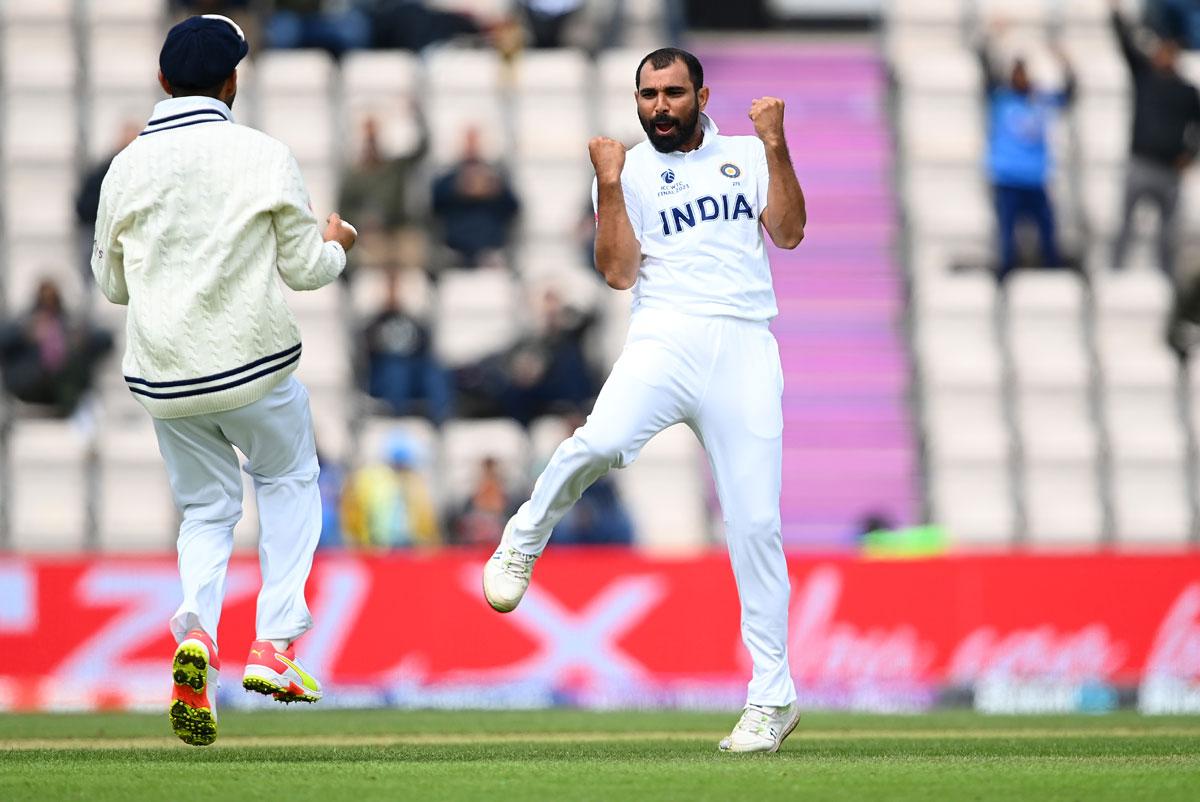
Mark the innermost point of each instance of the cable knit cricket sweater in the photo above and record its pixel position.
(197, 218)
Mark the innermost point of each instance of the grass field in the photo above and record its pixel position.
(299, 755)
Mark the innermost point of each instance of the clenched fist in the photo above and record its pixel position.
(767, 114)
(608, 157)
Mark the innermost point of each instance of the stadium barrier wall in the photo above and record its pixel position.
(617, 629)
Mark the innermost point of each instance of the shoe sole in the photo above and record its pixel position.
(292, 693)
(782, 738)
(787, 732)
(497, 606)
(193, 724)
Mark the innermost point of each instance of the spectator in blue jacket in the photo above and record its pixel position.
(1018, 159)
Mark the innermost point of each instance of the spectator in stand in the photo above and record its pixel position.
(545, 372)
(389, 505)
(482, 518)
(411, 25)
(548, 19)
(401, 367)
(598, 518)
(1018, 158)
(1166, 126)
(375, 190)
(47, 358)
(476, 206)
(1176, 19)
(87, 199)
(331, 481)
(548, 371)
(333, 25)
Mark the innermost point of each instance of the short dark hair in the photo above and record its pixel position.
(666, 56)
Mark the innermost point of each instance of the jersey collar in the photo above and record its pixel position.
(177, 112)
(710, 135)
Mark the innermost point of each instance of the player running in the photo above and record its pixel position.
(197, 218)
(678, 220)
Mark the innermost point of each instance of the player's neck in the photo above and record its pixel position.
(695, 142)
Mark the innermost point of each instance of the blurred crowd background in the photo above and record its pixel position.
(986, 332)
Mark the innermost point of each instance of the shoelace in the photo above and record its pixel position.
(517, 564)
(755, 720)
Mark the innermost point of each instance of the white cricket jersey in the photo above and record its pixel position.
(696, 216)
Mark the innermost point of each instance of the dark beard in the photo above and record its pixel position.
(684, 131)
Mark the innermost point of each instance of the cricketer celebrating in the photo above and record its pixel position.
(678, 220)
(197, 218)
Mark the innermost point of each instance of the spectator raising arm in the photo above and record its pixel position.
(1138, 62)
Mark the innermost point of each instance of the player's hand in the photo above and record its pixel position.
(608, 157)
(767, 115)
(338, 230)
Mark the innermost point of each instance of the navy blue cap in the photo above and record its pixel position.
(201, 52)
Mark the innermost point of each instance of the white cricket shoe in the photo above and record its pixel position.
(761, 729)
(506, 575)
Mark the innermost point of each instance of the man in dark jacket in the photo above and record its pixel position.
(1166, 116)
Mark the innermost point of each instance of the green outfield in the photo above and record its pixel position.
(296, 755)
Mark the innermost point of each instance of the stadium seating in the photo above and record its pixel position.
(1050, 412)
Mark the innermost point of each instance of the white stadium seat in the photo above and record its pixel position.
(451, 70)
(1062, 504)
(1104, 130)
(552, 132)
(1056, 424)
(942, 129)
(1045, 328)
(476, 313)
(59, 11)
(124, 57)
(39, 127)
(112, 113)
(125, 11)
(295, 72)
(147, 519)
(964, 424)
(466, 443)
(937, 12)
(615, 71)
(1150, 504)
(451, 118)
(552, 74)
(39, 56)
(553, 198)
(924, 71)
(42, 197)
(1106, 74)
(948, 204)
(305, 123)
(384, 86)
(973, 501)
(664, 491)
(30, 259)
(49, 490)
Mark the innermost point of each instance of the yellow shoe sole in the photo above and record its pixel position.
(193, 725)
(267, 688)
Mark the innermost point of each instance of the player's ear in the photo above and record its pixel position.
(703, 95)
(164, 83)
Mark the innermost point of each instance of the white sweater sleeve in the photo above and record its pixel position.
(108, 258)
(305, 262)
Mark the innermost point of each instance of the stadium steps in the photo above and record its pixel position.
(849, 450)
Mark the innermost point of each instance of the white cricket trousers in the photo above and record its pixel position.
(721, 376)
(276, 435)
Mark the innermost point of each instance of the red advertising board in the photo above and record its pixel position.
(611, 628)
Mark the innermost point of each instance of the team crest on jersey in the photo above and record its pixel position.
(730, 170)
(668, 176)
